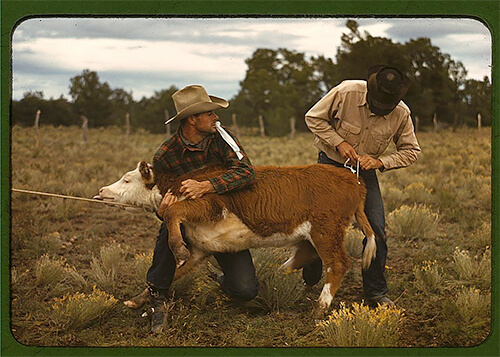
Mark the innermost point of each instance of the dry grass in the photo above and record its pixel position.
(112, 248)
(360, 326)
(413, 222)
(79, 310)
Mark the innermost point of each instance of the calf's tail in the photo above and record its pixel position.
(370, 251)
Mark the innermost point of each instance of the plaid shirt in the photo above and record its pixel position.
(177, 157)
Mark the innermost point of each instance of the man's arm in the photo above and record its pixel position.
(318, 119)
(239, 174)
(407, 148)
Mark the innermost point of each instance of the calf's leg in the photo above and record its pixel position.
(303, 255)
(198, 210)
(336, 262)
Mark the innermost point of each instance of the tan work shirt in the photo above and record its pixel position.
(343, 115)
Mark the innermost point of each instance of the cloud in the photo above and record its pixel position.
(147, 54)
(435, 28)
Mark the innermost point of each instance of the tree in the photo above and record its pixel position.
(477, 96)
(92, 98)
(278, 85)
(54, 112)
(121, 103)
(149, 113)
(436, 77)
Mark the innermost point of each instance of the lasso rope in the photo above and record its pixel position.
(71, 197)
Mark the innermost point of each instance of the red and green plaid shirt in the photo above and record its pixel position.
(177, 157)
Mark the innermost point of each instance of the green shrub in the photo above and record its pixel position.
(481, 237)
(418, 193)
(473, 269)
(142, 262)
(103, 270)
(47, 243)
(393, 198)
(354, 241)
(56, 275)
(473, 307)
(429, 276)
(466, 317)
(412, 222)
(112, 256)
(80, 310)
(361, 326)
(278, 290)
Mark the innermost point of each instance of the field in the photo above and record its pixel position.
(73, 263)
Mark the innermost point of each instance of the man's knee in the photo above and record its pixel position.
(244, 289)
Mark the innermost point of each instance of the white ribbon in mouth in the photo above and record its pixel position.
(229, 140)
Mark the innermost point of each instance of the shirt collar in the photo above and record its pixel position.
(187, 145)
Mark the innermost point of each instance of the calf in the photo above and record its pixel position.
(306, 207)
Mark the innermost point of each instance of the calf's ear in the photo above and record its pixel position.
(146, 172)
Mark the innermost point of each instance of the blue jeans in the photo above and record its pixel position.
(374, 282)
(239, 280)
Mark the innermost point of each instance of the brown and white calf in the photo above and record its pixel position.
(306, 207)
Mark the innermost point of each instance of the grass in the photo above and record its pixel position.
(413, 222)
(61, 248)
(360, 326)
(80, 310)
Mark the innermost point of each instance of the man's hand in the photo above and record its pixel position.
(168, 200)
(368, 163)
(347, 151)
(195, 189)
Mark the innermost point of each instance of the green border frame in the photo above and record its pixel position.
(13, 12)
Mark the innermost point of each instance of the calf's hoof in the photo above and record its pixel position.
(319, 313)
(138, 301)
(181, 255)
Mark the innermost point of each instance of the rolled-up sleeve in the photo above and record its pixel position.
(319, 117)
(407, 147)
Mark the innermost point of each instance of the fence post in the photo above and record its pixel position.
(292, 128)
(37, 127)
(235, 128)
(127, 125)
(478, 121)
(417, 122)
(85, 127)
(435, 121)
(169, 134)
(261, 125)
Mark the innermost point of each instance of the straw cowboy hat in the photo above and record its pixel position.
(193, 100)
(386, 87)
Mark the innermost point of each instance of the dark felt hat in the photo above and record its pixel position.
(386, 86)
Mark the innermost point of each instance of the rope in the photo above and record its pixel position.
(71, 197)
(353, 170)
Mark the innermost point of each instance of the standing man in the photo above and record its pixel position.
(354, 123)
(199, 143)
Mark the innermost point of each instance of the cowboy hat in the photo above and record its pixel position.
(193, 100)
(386, 87)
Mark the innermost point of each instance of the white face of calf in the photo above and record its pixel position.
(136, 187)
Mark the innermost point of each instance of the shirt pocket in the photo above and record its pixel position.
(378, 142)
(349, 132)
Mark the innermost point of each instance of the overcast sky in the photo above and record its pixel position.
(147, 55)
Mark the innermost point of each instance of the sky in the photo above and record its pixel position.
(144, 55)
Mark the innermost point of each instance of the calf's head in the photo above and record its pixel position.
(136, 187)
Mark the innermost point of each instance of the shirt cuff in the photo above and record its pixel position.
(219, 185)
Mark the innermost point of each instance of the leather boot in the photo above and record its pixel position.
(158, 309)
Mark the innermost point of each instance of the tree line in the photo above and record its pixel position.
(282, 84)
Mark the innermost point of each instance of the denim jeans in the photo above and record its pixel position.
(239, 280)
(374, 282)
